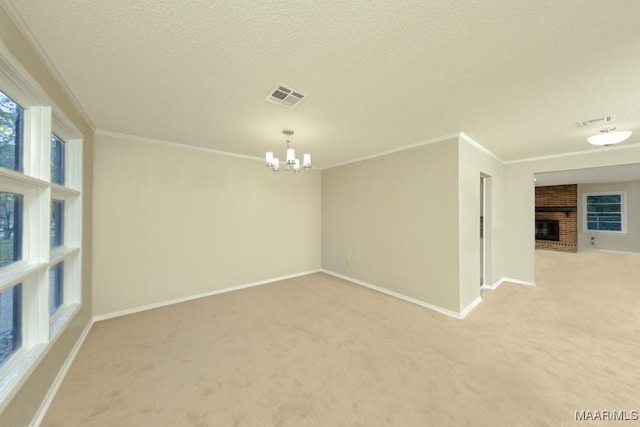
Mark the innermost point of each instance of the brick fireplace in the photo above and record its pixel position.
(557, 218)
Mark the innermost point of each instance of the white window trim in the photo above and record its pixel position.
(41, 118)
(623, 214)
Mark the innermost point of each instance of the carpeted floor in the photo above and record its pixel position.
(319, 351)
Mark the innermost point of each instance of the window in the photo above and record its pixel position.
(604, 212)
(57, 223)
(56, 289)
(10, 322)
(10, 228)
(57, 159)
(40, 226)
(10, 134)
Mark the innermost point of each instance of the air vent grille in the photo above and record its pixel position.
(285, 96)
(599, 120)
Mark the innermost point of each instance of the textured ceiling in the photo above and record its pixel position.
(515, 75)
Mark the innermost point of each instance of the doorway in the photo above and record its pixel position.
(485, 228)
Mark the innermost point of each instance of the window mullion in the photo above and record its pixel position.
(37, 221)
(73, 164)
(36, 310)
(37, 139)
(73, 216)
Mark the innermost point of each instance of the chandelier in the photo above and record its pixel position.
(293, 164)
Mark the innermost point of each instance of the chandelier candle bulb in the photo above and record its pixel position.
(291, 156)
(306, 161)
(276, 164)
(296, 165)
(269, 158)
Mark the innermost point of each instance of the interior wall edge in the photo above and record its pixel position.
(456, 315)
(146, 307)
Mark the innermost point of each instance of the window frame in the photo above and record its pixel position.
(21, 309)
(623, 211)
(19, 148)
(63, 164)
(20, 222)
(41, 117)
(59, 225)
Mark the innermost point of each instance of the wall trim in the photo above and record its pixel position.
(396, 150)
(146, 140)
(610, 251)
(493, 286)
(479, 146)
(403, 297)
(44, 406)
(500, 281)
(24, 30)
(470, 307)
(146, 307)
(516, 282)
(571, 154)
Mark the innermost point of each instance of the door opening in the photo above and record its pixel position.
(482, 183)
(485, 229)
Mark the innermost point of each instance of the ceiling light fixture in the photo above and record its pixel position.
(608, 136)
(293, 164)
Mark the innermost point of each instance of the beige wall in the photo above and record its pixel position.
(172, 222)
(519, 201)
(627, 242)
(26, 402)
(473, 163)
(392, 221)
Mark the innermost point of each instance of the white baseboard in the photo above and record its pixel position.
(494, 286)
(470, 307)
(433, 307)
(44, 406)
(610, 251)
(146, 307)
(506, 279)
(517, 282)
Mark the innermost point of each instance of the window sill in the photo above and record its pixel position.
(21, 178)
(11, 275)
(60, 253)
(61, 189)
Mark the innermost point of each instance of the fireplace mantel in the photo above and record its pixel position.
(565, 209)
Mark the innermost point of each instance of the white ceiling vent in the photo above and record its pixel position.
(598, 121)
(286, 96)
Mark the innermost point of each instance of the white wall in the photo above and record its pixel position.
(171, 222)
(472, 163)
(626, 242)
(392, 221)
(519, 201)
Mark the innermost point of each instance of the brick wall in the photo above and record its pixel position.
(559, 196)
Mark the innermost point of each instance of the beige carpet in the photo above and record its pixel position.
(319, 351)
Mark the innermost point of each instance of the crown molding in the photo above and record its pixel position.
(24, 29)
(145, 140)
(571, 154)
